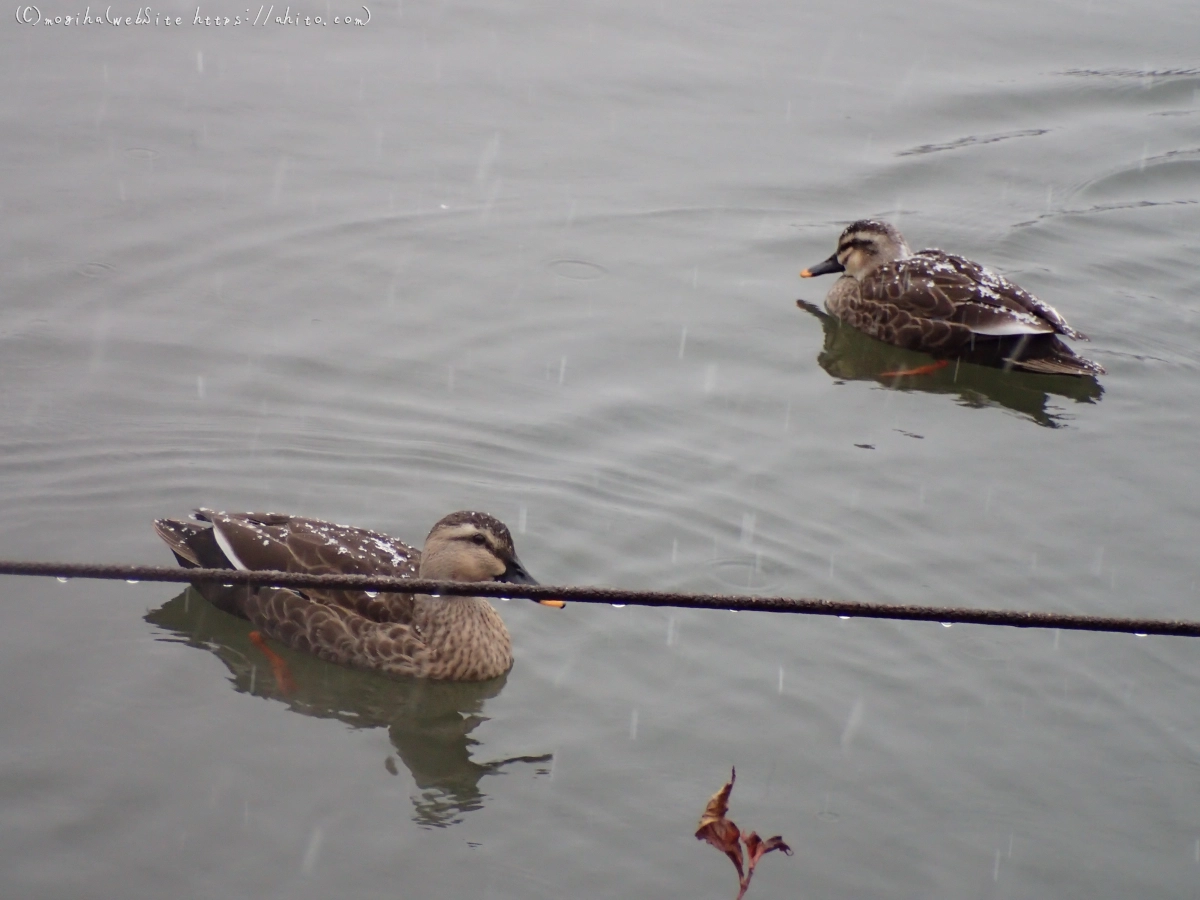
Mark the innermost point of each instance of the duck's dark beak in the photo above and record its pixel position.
(516, 574)
(824, 268)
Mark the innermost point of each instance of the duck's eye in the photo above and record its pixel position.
(478, 538)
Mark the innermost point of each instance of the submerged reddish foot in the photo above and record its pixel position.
(283, 675)
(919, 370)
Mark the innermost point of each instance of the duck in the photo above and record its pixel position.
(444, 638)
(944, 305)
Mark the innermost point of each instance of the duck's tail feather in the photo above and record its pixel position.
(195, 546)
(1050, 357)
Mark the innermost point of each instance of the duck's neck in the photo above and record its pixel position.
(448, 612)
(466, 634)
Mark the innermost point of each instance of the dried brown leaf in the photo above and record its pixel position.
(718, 830)
(726, 837)
(757, 848)
(718, 803)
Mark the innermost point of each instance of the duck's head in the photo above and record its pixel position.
(863, 247)
(473, 546)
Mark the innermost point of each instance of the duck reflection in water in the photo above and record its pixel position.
(429, 722)
(850, 355)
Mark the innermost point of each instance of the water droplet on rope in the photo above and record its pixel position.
(947, 624)
(372, 594)
(63, 580)
(618, 606)
(131, 581)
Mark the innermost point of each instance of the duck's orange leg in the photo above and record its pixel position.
(283, 675)
(928, 369)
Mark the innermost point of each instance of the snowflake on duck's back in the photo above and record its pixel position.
(400, 554)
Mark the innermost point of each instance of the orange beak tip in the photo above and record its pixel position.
(806, 274)
(557, 604)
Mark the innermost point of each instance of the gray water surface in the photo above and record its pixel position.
(541, 260)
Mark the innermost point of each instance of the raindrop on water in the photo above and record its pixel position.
(853, 721)
(682, 341)
(487, 158)
(522, 519)
(277, 179)
(313, 849)
(674, 551)
(748, 522)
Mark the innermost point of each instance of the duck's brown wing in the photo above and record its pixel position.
(935, 286)
(258, 541)
(976, 286)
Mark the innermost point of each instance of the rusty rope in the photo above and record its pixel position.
(613, 596)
